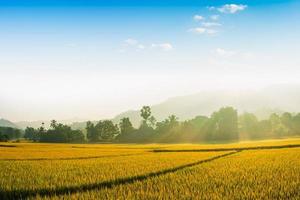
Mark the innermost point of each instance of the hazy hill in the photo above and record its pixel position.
(6, 123)
(261, 102)
(34, 124)
(37, 124)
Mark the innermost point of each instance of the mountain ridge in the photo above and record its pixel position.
(7, 123)
(273, 99)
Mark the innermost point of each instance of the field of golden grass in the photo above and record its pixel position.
(250, 170)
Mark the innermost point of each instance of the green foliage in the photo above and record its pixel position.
(60, 133)
(31, 134)
(145, 114)
(107, 130)
(103, 131)
(152, 121)
(222, 126)
(57, 133)
(168, 129)
(296, 124)
(3, 137)
(125, 126)
(249, 126)
(92, 134)
(9, 133)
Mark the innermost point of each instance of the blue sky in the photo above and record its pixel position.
(134, 3)
(94, 59)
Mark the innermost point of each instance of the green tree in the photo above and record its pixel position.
(53, 124)
(106, 129)
(30, 133)
(10, 133)
(59, 132)
(3, 137)
(287, 120)
(167, 130)
(296, 124)
(248, 126)
(152, 121)
(125, 126)
(127, 131)
(265, 128)
(278, 128)
(76, 136)
(92, 134)
(145, 114)
(223, 125)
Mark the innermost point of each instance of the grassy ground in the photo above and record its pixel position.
(249, 170)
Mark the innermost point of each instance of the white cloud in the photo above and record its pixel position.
(140, 46)
(206, 27)
(131, 42)
(211, 31)
(163, 46)
(214, 17)
(224, 53)
(198, 30)
(210, 24)
(198, 18)
(231, 8)
(202, 30)
(211, 8)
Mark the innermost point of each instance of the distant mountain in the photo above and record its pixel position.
(6, 123)
(261, 102)
(37, 124)
(34, 124)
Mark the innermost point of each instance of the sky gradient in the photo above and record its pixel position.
(95, 59)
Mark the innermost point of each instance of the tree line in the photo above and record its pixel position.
(57, 132)
(221, 126)
(9, 133)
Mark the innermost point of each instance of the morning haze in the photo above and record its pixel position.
(95, 62)
(149, 99)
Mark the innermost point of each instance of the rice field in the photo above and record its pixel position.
(248, 170)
